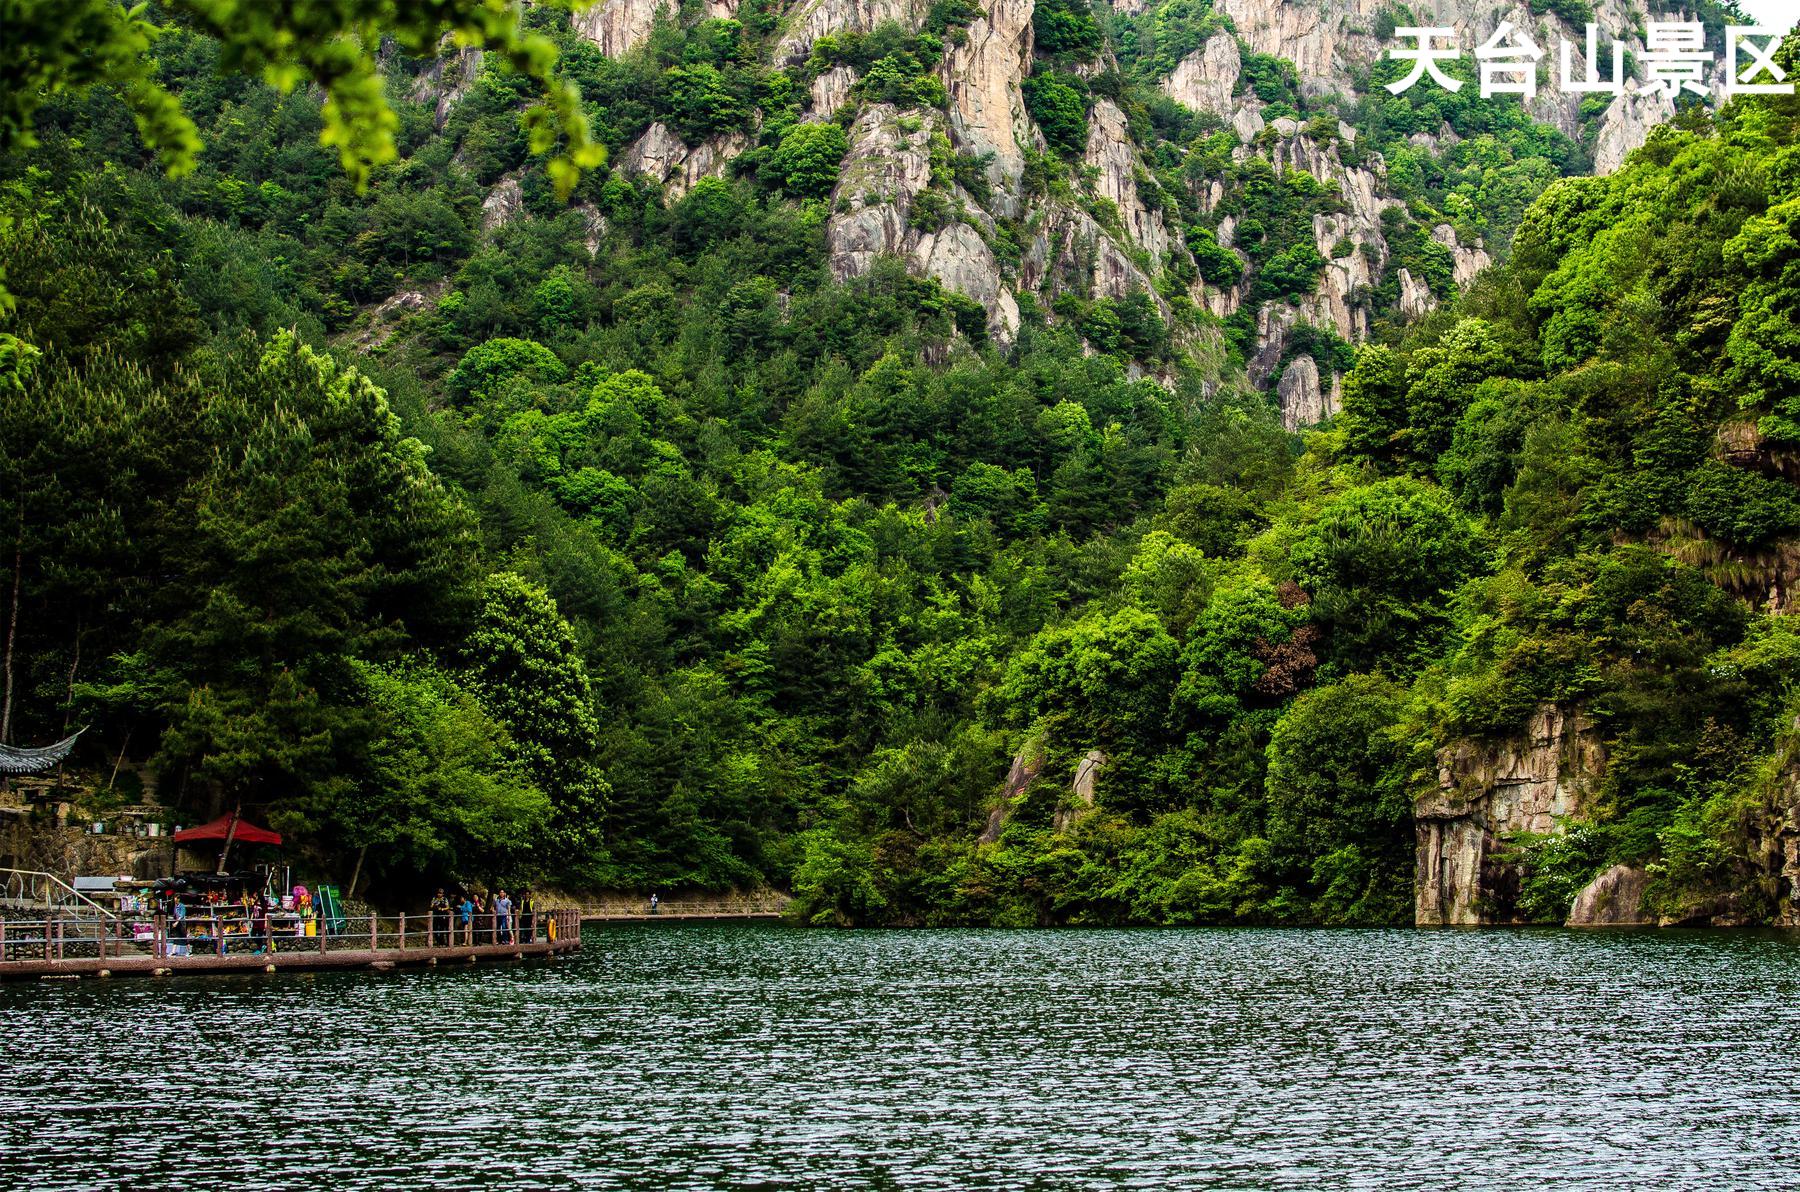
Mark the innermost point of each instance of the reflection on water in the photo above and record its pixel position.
(696, 1056)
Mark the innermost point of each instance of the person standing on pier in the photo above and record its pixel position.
(178, 928)
(527, 916)
(503, 908)
(466, 911)
(440, 919)
(259, 925)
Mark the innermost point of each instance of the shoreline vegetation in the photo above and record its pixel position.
(462, 515)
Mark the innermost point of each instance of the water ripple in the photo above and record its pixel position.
(757, 1057)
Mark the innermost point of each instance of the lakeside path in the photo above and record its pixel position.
(688, 917)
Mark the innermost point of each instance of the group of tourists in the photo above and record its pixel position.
(477, 918)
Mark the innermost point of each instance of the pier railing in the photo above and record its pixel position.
(86, 937)
(33, 891)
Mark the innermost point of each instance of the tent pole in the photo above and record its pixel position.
(230, 833)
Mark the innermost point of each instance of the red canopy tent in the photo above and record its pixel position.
(223, 829)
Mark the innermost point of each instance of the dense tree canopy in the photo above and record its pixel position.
(624, 545)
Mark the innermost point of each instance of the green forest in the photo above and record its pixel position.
(639, 554)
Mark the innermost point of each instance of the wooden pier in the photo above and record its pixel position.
(65, 949)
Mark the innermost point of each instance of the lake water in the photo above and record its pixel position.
(722, 1056)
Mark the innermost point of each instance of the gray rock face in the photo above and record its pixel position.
(1112, 154)
(593, 227)
(1415, 296)
(445, 82)
(884, 173)
(1329, 40)
(1087, 773)
(886, 169)
(961, 260)
(1303, 403)
(1466, 262)
(1626, 124)
(1339, 302)
(1069, 251)
(1532, 782)
(1027, 764)
(1312, 36)
(619, 26)
(1614, 899)
(831, 90)
(987, 106)
(1204, 80)
(810, 20)
(502, 204)
(668, 159)
(1247, 120)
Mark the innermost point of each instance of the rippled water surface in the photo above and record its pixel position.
(702, 1056)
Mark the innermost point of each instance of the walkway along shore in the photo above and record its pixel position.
(73, 948)
(688, 917)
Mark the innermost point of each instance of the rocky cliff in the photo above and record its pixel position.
(1115, 228)
(1331, 43)
(1332, 46)
(620, 26)
(1534, 781)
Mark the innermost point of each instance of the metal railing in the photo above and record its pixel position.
(33, 890)
(229, 933)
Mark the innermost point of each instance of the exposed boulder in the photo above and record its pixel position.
(593, 227)
(1415, 296)
(961, 260)
(386, 318)
(1205, 79)
(1466, 262)
(831, 90)
(1027, 764)
(1303, 402)
(1247, 120)
(1087, 773)
(1531, 782)
(1614, 899)
(668, 159)
(502, 204)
